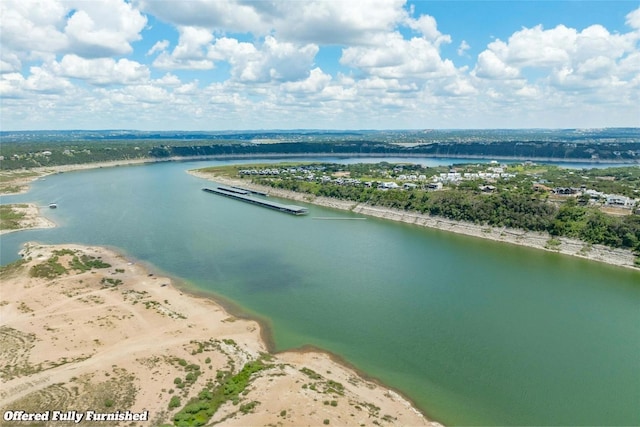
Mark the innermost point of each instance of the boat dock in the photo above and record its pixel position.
(236, 190)
(247, 190)
(242, 195)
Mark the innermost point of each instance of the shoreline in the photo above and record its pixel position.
(93, 331)
(266, 334)
(51, 170)
(537, 240)
(32, 219)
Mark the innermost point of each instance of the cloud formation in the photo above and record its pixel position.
(215, 64)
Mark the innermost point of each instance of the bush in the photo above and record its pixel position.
(174, 402)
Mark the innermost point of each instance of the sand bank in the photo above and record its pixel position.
(19, 180)
(117, 337)
(544, 241)
(31, 218)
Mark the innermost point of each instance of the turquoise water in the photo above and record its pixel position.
(475, 332)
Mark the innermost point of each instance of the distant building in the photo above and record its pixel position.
(620, 201)
(487, 188)
(565, 191)
(388, 185)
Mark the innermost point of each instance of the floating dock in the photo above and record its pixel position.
(239, 195)
(236, 190)
(259, 193)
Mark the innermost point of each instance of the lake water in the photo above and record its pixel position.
(475, 332)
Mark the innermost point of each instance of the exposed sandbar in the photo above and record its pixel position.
(117, 337)
(31, 218)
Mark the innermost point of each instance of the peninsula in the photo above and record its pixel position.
(533, 215)
(88, 332)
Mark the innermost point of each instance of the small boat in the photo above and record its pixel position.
(53, 205)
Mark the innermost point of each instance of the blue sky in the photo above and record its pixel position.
(242, 64)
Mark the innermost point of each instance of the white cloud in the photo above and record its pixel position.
(102, 71)
(168, 79)
(39, 81)
(192, 42)
(9, 62)
(596, 68)
(313, 84)
(633, 19)
(561, 46)
(101, 28)
(160, 46)
(338, 22)
(11, 85)
(395, 57)
(592, 60)
(28, 26)
(96, 28)
(272, 61)
(490, 66)
(190, 53)
(310, 21)
(227, 15)
(459, 87)
(427, 26)
(81, 71)
(42, 80)
(463, 48)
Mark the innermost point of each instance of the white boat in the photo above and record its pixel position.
(53, 205)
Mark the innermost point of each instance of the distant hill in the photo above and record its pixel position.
(22, 149)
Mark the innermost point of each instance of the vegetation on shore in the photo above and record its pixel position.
(53, 267)
(10, 217)
(200, 409)
(55, 148)
(513, 201)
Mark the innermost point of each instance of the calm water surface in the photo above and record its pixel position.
(475, 332)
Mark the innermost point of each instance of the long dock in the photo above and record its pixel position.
(248, 190)
(236, 190)
(238, 195)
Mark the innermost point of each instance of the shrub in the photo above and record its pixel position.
(174, 402)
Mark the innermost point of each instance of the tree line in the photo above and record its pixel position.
(522, 210)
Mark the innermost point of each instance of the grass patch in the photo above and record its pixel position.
(553, 244)
(249, 407)
(311, 373)
(200, 409)
(10, 218)
(112, 282)
(10, 269)
(53, 268)
(49, 269)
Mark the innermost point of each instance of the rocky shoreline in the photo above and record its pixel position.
(563, 245)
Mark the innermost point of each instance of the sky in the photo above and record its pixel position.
(318, 64)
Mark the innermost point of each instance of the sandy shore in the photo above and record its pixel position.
(563, 245)
(31, 219)
(21, 179)
(115, 338)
